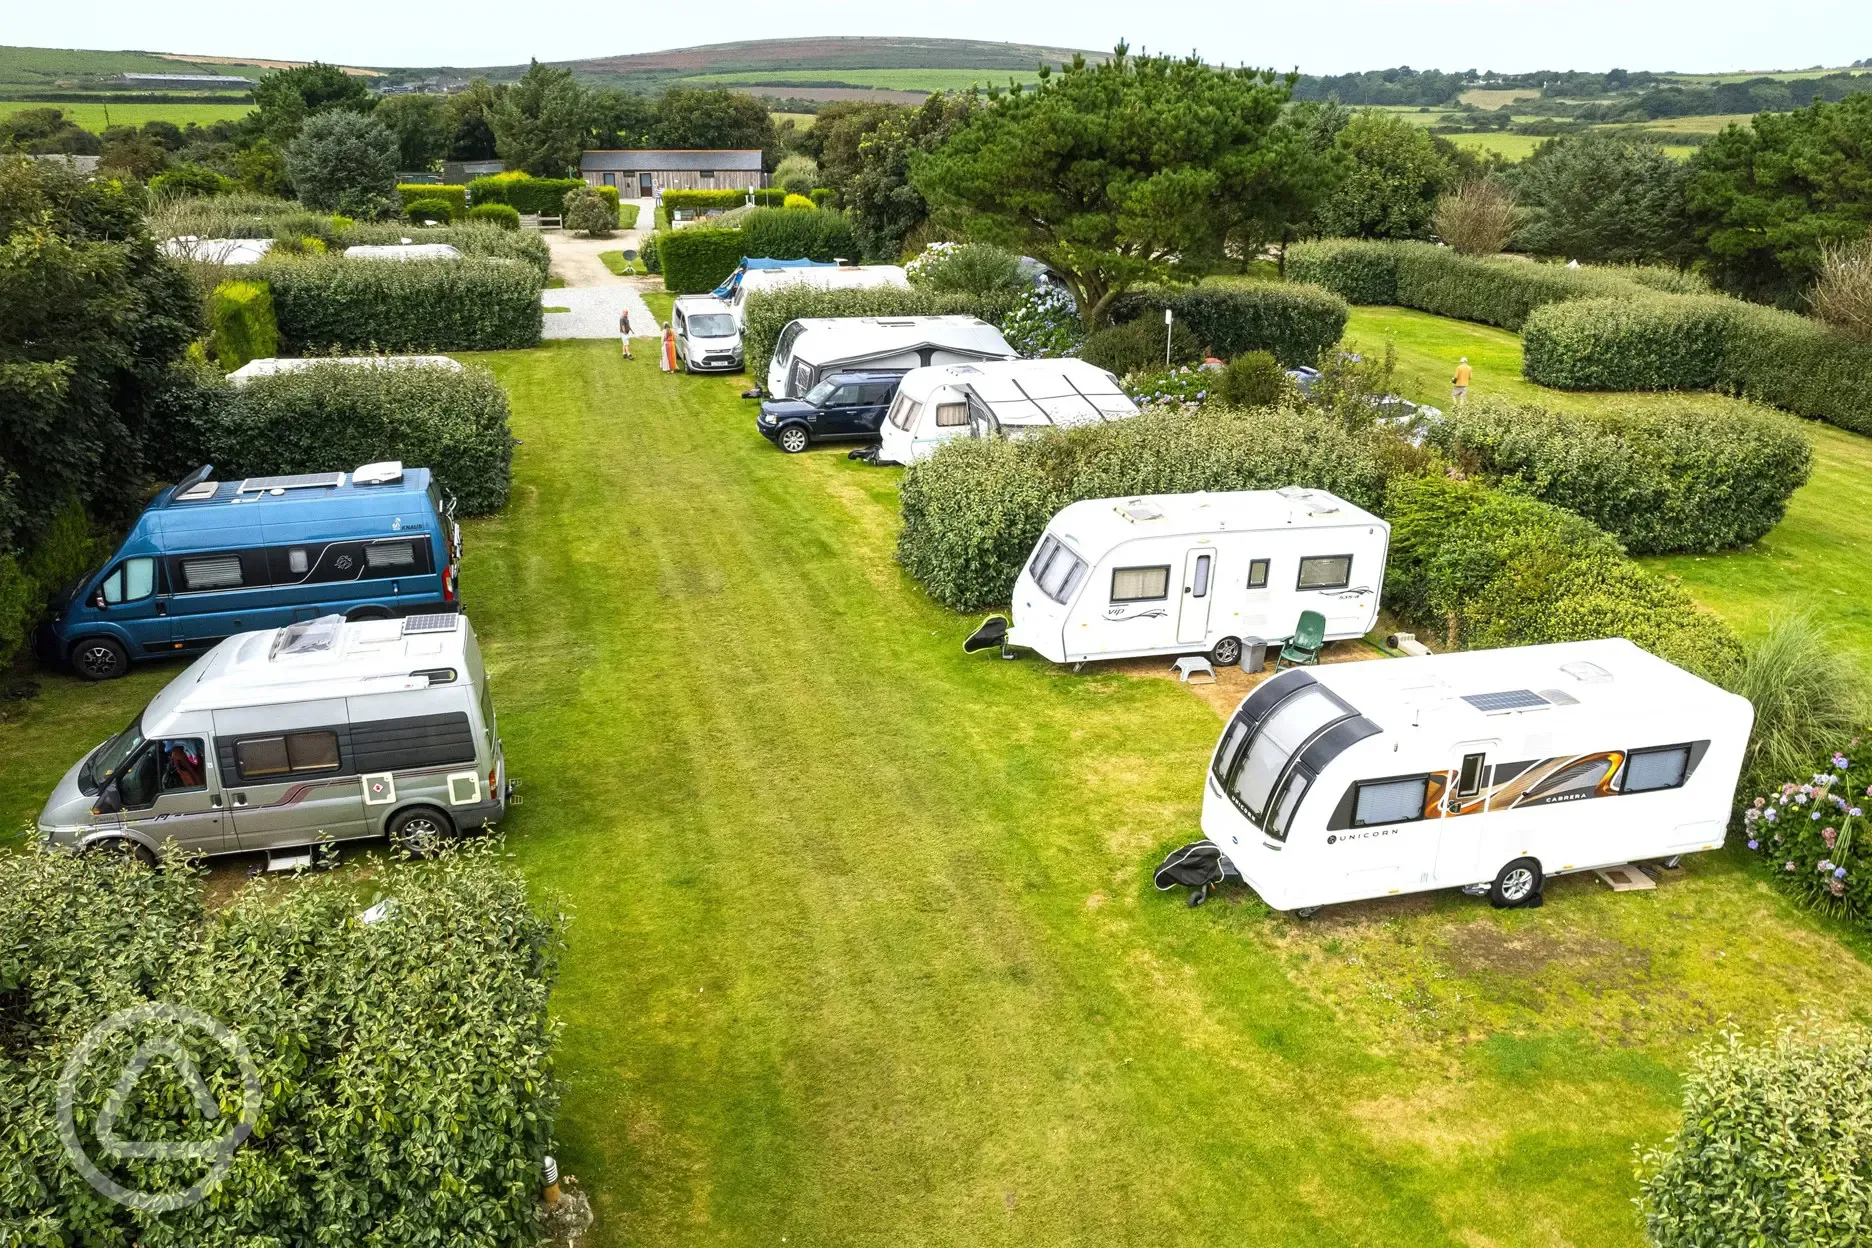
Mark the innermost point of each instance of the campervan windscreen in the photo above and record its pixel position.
(711, 325)
(108, 758)
(1284, 731)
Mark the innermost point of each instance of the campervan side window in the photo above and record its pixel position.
(258, 758)
(1325, 572)
(1056, 570)
(1389, 801)
(212, 572)
(133, 579)
(1258, 574)
(951, 415)
(391, 555)
(1650, 770)
(1140, 584)
(1469, 780)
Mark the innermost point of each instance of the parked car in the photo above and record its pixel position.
(320, 731)
(707, 338)
(208, 559)
(844, 405)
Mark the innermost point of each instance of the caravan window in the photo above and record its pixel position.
(1258, 574)
(1390, 801)
(391, 556)
(783, 351)
(1201, 587)
(1140, 584)
(1286, 729)
(904, 411)
(1282, 818)
(951, 415)
(1056, 570)
(1649, 770)
(1325, 572)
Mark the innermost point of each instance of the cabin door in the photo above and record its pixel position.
(1463, 829)
(1198, 592)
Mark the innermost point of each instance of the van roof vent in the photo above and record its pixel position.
(307, 636)
(386, 472)
(1559, 697)
(1136, 509)
(296, 481)
(430, 624)
(1505, 701)
(1586, 673)
(199, 491)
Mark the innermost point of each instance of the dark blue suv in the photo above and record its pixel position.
(844, 405)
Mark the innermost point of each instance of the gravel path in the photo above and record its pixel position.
(593, 295)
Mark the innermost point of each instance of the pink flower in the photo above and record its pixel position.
(1829, 835)
(1837, 888)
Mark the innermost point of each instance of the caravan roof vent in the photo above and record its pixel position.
(1586, 673)
(296, 481)
(1559, 697)
(199, 491)
(430, 624)
(1136, 509)
(386, 472)
(1505, 701)
(307, 636)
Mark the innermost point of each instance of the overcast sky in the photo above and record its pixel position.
(1316, 36)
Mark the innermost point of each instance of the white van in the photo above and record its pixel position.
(1002, 398)
(708, 339)
(1114, 578)
(811, 349)
(1487, 770)
(844, 277)
(320, 731)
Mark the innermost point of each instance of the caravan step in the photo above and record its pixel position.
(1625, 879)
(290, 860)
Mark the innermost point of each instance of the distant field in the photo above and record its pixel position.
(1784, 75)
(91, 116)
(1711, 124)
(888, 79)
(1521, 146)
(1495, 97)
(802, 121)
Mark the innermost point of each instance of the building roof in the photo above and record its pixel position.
(670, 160)
(1095, 525)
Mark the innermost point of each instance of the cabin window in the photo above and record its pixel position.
(1285, 730)
(1325, 572)
(1649, 770)
(951, 415)
(1390, 801)
(1258, 574)
(259, 758)
(212, 572)
(1140, 584)
(1200, 588)
(182, 768)
(1469, 780)
(1055, 569)
(129, 581)
(904, 411)
(390, 555)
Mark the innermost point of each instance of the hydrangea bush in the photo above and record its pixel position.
(1813, 831)
(1043, 325)
(1185, 388)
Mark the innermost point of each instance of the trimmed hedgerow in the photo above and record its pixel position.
(470, 304)
(1141, 346)
(241, 323)
(430, 212)
(696, 260)
(1775, 1145)
(471, 238)
(403, 1067)
(505, 216)
(1355, 270)
(1682, 342)
(528, 195)
(1659, 481)
(973, 511)
(1292, 321)
(702, 201)
(767, 312)
(456, 197)
(1488, 568)
(332, 417)
(792, 233)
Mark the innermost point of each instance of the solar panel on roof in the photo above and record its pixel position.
(295, 481)
(430, 624)
(1506, 700)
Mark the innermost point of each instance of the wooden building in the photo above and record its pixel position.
(641, 173)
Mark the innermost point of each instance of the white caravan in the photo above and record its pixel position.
(320, 731)
(1487, 770)
(844, 277)
(1114, 578)
(811, 349)
(1003, 398)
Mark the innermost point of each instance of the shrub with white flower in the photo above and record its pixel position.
(1827, 857)
(1185, 388)
(1042, 326)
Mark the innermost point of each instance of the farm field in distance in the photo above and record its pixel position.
(93, 116)
(882, 79)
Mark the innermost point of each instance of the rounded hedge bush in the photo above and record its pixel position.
(506, 216)
(430, 212)
(1139, 347)
(1292, 320)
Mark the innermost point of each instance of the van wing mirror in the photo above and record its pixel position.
(109, 800)
(97, 600)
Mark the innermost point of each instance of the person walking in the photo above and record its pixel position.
(624, 331)
(1459, 384)
(669, 348)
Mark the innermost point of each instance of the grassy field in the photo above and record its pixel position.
(1494, 97)
(801, 121)
(1709, 124)
(864, 949)
(93, 117)
(44, 67)
(1794, 568)
(886, 79)
(1512, 146)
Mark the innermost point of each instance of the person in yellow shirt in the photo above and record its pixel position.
(1459, 384)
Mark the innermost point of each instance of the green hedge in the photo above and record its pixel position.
(823, 196)
(770, 196)
(697, 259)
(404, 1067)
(505, 216)
(1485, 568)
(626, 213)
(328, 302)
(480, 238)
(973, 511)
(768, 312)
(703, 201)
(1292, 321)
(1681, 480)
(1678, 342)
(332, 417)
(241, 321)
(430, 212)
(790, 233)
(456, 197)
(530, 196)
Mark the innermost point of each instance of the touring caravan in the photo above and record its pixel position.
(320, 731)
(1114, 578)
(811, 349)
(1002, 398)
(1487, 770)
(817, 277)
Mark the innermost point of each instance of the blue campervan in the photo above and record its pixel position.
(208, 559)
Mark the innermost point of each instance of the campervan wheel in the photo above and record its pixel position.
(99, 658)
(421, 831)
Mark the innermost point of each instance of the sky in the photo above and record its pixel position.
(1315, 36)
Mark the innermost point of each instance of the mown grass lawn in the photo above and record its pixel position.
(1801, 565)
(864, 949)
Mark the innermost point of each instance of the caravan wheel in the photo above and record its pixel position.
(1517, 882)
(1227, 652)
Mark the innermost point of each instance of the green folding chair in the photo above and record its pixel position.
(1304, 646)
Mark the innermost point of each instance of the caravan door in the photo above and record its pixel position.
(1198, 586)
(1465, 807)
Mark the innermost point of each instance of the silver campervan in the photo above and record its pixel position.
(276, 740)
